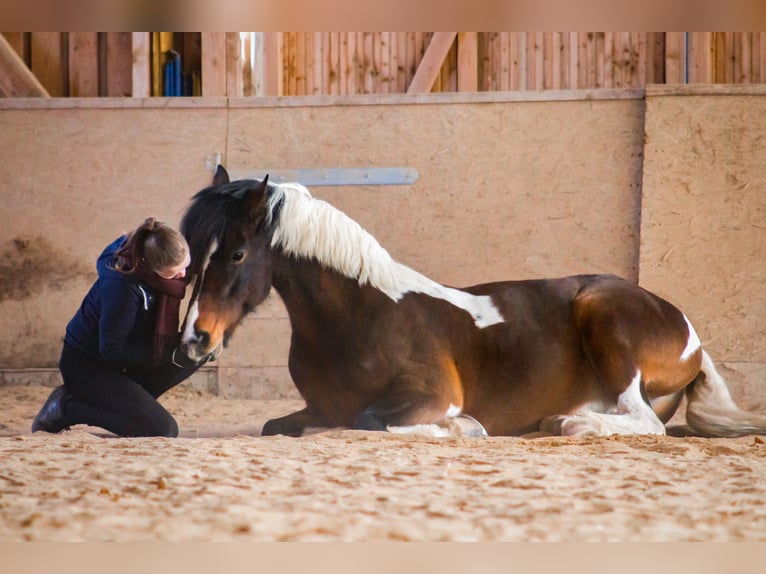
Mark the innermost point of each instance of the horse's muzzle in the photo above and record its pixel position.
(196, 347)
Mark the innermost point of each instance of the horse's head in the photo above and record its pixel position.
(227, 226)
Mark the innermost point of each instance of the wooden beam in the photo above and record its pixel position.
(213, 64)
(431, 64)
(17, 81)
(141, 77)
(467, 62)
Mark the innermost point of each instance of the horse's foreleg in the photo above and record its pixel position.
(294, 424)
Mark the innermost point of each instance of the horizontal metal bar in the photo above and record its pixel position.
(333, 176)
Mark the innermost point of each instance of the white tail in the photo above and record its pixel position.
(712, 412)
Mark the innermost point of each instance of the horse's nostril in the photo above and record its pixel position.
(203, 337)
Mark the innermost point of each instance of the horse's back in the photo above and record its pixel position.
(570, 342)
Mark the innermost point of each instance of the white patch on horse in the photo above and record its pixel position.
(432, 430)
(631, 416)
(453, 411)
(309, 227)
(693, 342)
(193, 310)
(191, 318)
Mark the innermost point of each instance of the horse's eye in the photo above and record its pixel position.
(238, 257)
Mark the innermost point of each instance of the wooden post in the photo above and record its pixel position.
(17, 81)
(431, 64)
(468, 62)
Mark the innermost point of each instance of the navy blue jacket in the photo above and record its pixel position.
(116, 320)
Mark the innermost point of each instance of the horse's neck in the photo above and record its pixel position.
(314, 294)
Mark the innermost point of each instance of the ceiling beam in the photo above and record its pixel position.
(16, 79)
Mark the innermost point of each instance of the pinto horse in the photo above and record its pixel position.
(378, 346)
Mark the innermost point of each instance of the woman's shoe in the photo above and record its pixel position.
(51, 416)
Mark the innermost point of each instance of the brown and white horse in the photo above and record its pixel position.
(376, 345)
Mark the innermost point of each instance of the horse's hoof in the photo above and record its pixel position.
(469, 426)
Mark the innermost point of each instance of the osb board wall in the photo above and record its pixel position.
(703, 224)
(506, 189)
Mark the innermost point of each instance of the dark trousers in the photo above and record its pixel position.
(122, 402)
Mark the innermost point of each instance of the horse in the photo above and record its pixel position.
(375, 345)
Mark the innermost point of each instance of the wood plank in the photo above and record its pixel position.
(609, 66)
(563, 69)
(522, 77)
(141, 69)
(467, 62)
(518, 67)
(300, 63)
(272, 64)
(47, 58)
(599, 47)
(574, 53)
(675, 60)
(83, 64)
(402, 39)
(639, 77)
(346, 63)
(214, 64)
(233, 65)
(700, 58)
(118, 64)
(548, 70)
(431, 63)
(762, 58)
(655, 65)
(17, 80)
(334, 63)
(744, 51)
(386, 81)
(316, 62)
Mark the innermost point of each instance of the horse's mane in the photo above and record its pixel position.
(310, 228)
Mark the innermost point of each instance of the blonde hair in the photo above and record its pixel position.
(156, 244)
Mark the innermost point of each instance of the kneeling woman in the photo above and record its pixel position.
(119, 351)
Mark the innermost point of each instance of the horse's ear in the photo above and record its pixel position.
(221, 176)
(256, 197)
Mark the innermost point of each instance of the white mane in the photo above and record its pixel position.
(309, 227)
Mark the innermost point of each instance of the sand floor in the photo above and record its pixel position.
(220, 481)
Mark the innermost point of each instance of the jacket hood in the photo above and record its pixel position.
(105, 261)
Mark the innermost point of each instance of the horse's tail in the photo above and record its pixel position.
(712, 412)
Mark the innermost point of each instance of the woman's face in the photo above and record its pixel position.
(177, 272)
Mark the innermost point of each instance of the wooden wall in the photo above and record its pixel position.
(337, 63)
(322, 63)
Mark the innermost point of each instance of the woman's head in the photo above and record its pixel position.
(158, 246)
